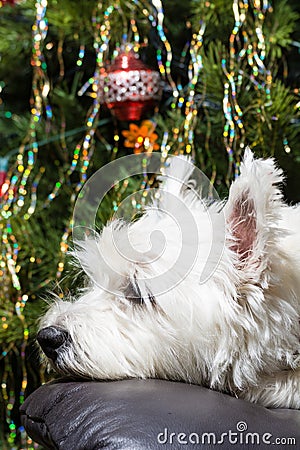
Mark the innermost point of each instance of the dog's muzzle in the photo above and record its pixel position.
(51, 340)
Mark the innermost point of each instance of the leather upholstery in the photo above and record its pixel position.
(143, 414)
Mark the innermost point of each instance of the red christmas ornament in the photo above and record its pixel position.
(130, 88)
(3, 173)
(10, 2)
(2, 177)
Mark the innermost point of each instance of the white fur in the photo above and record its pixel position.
(238, 332)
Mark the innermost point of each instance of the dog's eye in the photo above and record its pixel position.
(133, 294)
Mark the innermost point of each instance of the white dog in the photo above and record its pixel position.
(237, 332)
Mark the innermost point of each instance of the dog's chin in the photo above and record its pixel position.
(61, 364)
(67, 370)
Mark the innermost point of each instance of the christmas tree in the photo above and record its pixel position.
(84, 83)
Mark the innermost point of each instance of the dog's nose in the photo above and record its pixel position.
(51, 339)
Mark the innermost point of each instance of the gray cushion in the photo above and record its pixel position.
(151, 414)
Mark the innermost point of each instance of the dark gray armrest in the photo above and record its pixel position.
(150, 414)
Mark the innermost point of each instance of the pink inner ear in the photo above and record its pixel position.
(243, 226)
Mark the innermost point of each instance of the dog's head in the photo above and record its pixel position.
(142, 315)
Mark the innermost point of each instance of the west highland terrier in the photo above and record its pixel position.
(146, 313)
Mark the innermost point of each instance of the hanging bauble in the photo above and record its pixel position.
(9, 2)
(130, 88)
(3, 174)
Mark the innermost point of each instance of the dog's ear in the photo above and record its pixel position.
(252, 213)
(104, 257)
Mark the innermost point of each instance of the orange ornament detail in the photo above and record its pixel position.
(141, 139)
